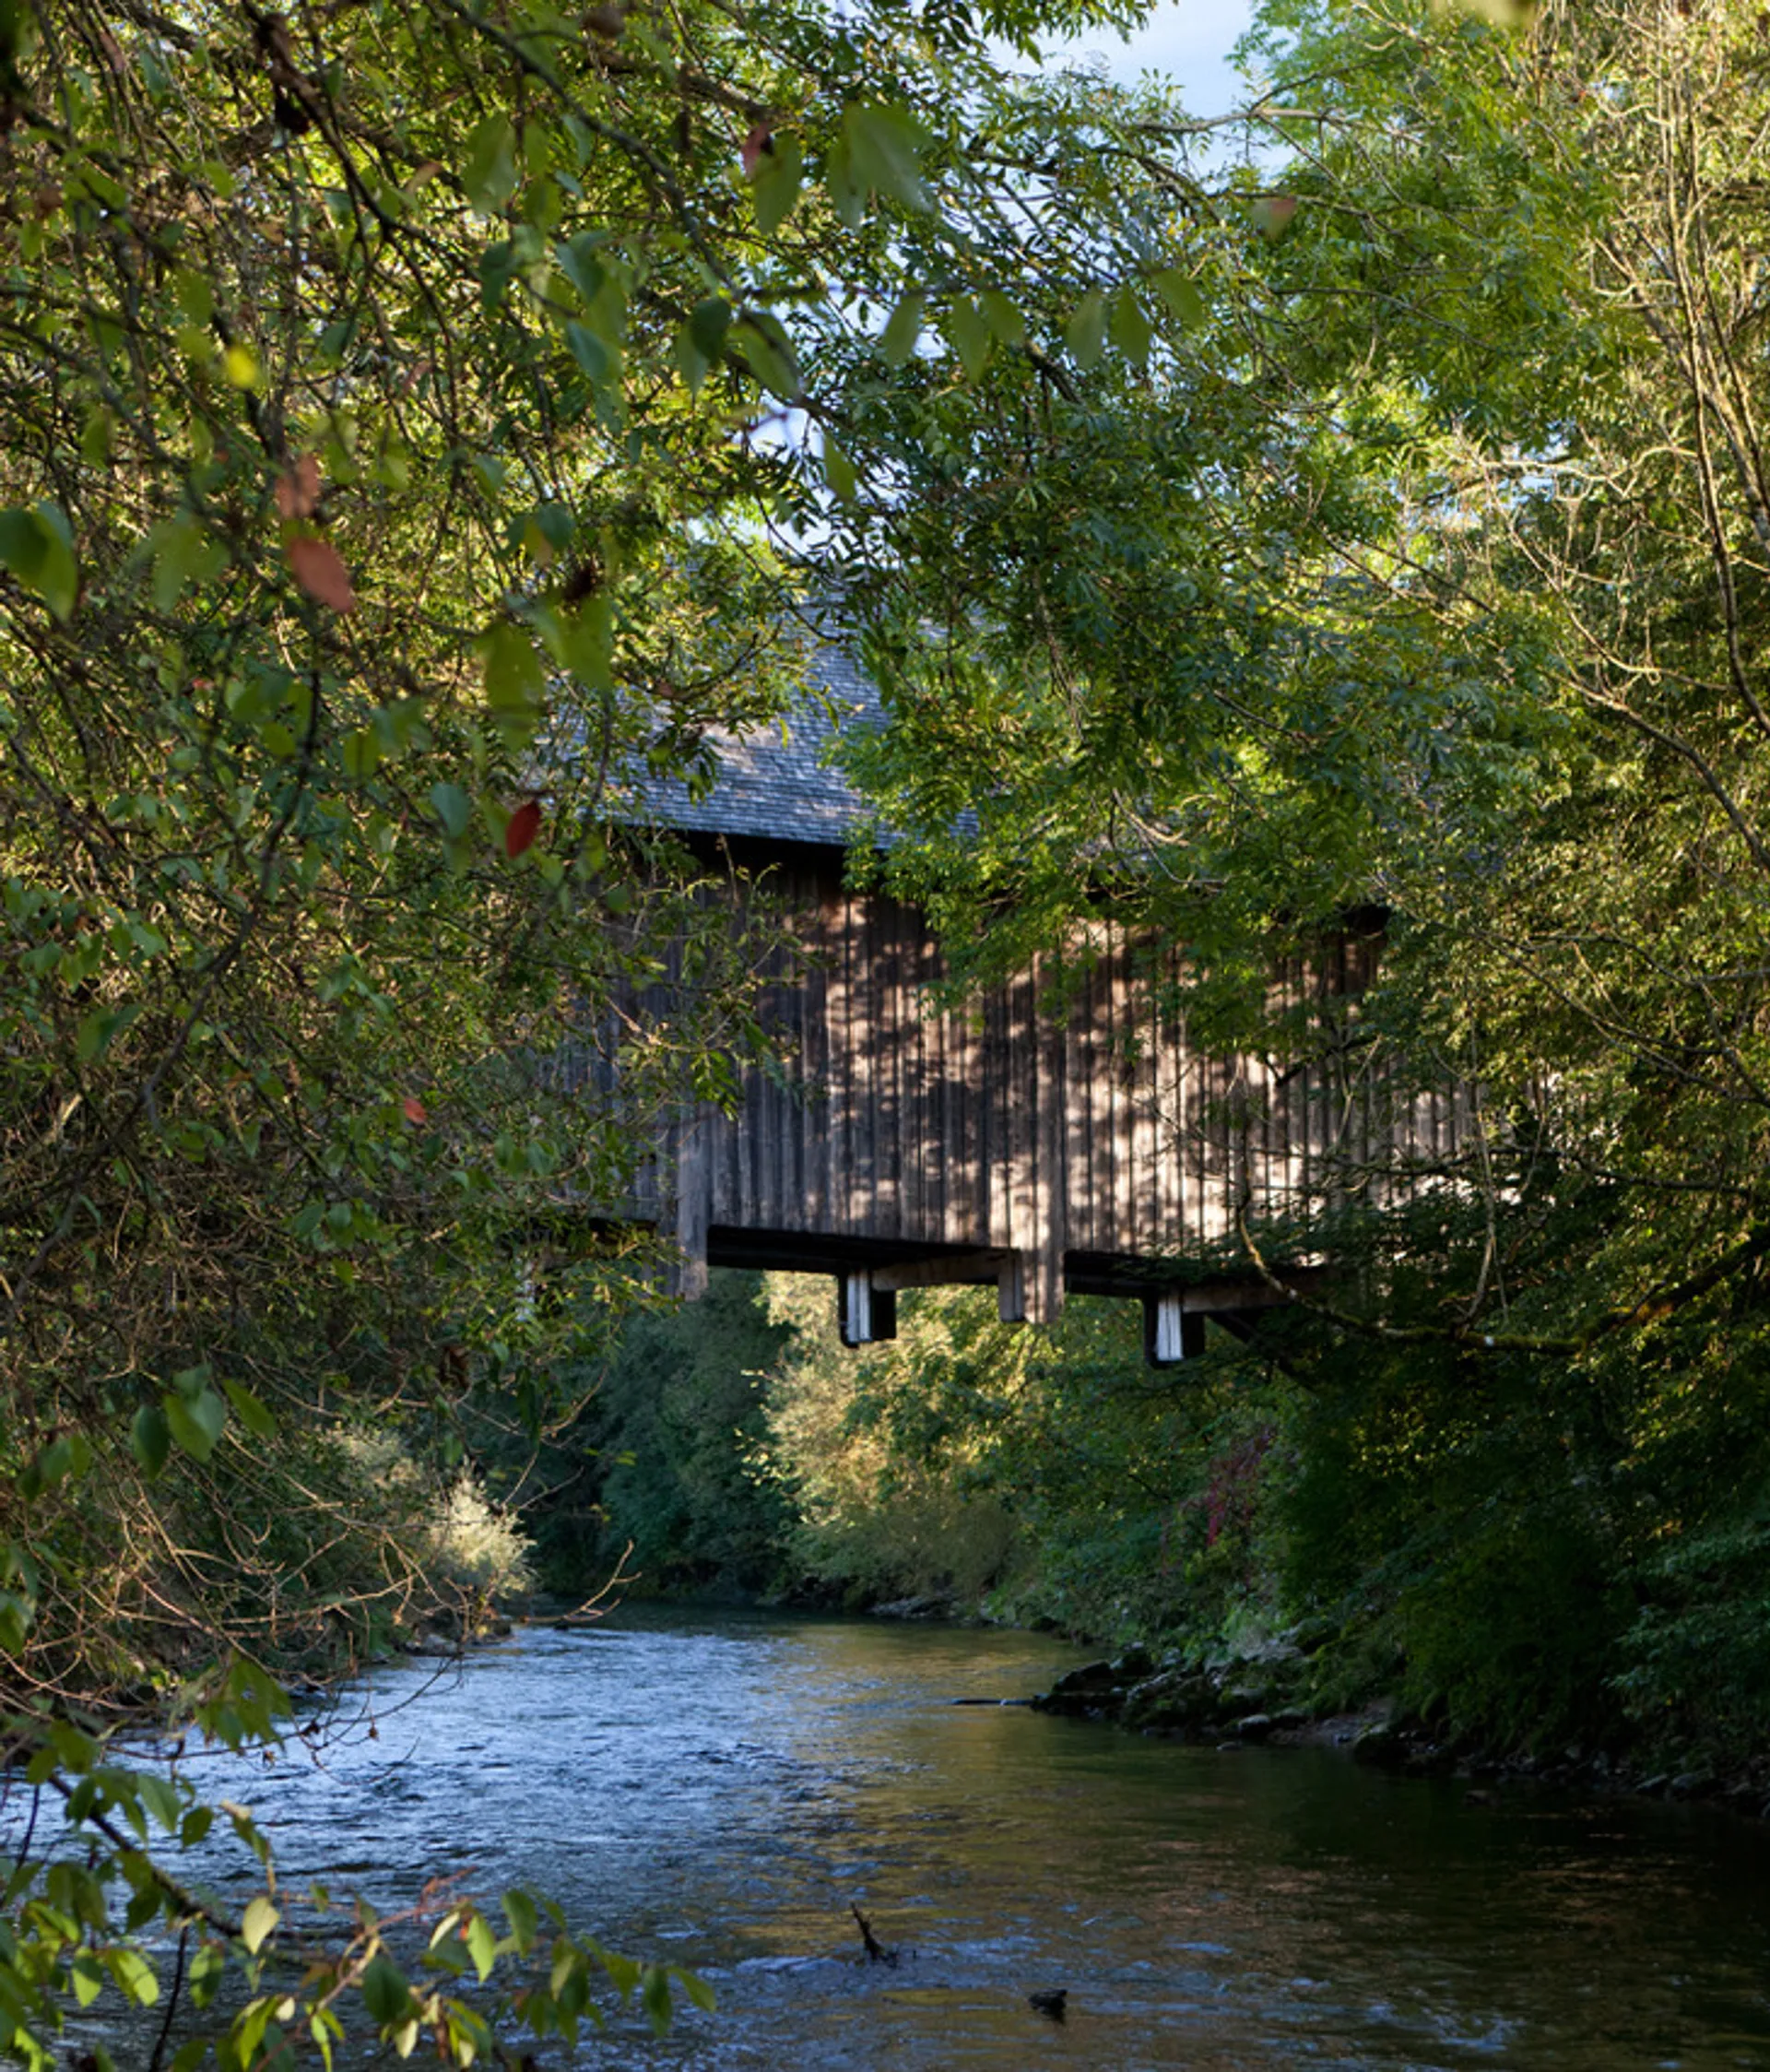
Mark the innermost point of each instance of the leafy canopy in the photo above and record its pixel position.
(412, 421)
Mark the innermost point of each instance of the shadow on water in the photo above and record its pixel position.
(717, 1790)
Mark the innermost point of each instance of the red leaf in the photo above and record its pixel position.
(524, 825)
(298, 487)
(761, 139)
(414, 1109)
(1272, 212)
(321, 574)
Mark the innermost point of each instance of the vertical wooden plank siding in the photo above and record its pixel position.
(813, 1123)
(1020, 1037)
(1077, 1220)
(894, 1148)
(912, 1087)
(841, 1062)
(1102, 1132)
(1110, 1178)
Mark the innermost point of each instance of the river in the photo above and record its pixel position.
(716, 1791)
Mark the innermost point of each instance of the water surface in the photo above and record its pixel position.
(718, 1791)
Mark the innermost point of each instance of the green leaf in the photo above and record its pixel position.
(191, 1382)
(182, 553)
(261, 1916)
(655, 1994)
(38, 547)
(499, 265)
(161, 1799)
(708, 324)
(590, 352)
(61, 579)
(699, 1992)
(970, 335)
(580, 262)
(482, 1945)
(554, 524)
(885, 147)
(362, 755)
(150, 1438)
(252, 1412)
(524, 1921)
(1004, 317)
(196, 1426)
(624, 1974)
(195, 294)
(453, 808)
(248, 2033)
(587, 642)
(489, 174)
(134, 1975)
(514, 680)
(92, 1039)
(16, 1616)
(701, 339)
(1085, 333)
(763, 345)
(847, 196)
(96, 436)
(67, 1454)
(386, 1994)
(776, 181)
(838, 470)
(1180, 292)
(901, 334)
(1130, 329)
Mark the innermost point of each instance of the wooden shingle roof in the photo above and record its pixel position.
(779, 782)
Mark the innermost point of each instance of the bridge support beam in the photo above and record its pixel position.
(1023, 1284)
(944, 1270)
(869, 1273)
(1171, 1332)
(1027, 1291)
(689, 1221)
(866, 1313)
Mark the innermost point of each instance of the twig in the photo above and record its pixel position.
(877, 1952)
(172, 2001)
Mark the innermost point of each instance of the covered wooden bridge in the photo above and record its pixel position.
(898, 1144)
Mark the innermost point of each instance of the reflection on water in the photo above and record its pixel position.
(716, 1792)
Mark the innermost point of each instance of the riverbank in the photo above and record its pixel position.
(1264, 1699)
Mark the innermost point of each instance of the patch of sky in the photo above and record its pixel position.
(1186, 42)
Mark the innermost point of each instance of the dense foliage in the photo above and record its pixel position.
(413, 419)
(421, 419)
(654, 1480)
(1432, 572)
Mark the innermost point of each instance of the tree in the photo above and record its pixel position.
(1437, 540)
(413, 418)
(1050, 1475)
(657, 1474)
(1436, 579)
(1597, 427)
